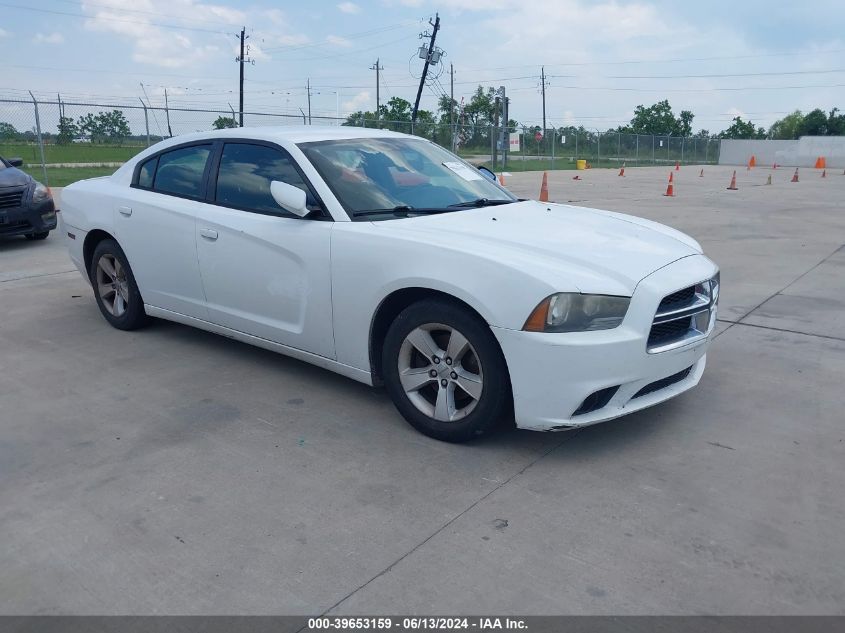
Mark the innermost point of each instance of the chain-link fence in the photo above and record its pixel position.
(61, 141)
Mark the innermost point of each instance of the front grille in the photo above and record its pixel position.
(676, 300)
(596, 400)
(657, 385)
(663, 333)
(9, 227)
(11, 199)
(683, 316)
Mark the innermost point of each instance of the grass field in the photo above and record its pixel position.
(62, 176)
(73, 153)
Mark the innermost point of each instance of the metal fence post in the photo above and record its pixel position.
(146, 120)
(619, 147)
(40, 140)
(598, 148)
(638, 150)
(683, 138)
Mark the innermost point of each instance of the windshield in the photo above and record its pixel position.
(398, 177)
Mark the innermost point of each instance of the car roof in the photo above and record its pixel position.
(293, 133)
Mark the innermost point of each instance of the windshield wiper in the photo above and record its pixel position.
(480, 202)
(403, 211)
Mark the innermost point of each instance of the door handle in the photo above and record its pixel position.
(127, 211)
(209, 234)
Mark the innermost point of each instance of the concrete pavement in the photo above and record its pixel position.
(173, 471)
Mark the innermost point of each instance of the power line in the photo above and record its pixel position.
(97, 18)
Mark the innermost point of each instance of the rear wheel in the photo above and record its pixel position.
(37, 236)
(115, 289)
(445, 371)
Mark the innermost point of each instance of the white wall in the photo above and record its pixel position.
(800, 153)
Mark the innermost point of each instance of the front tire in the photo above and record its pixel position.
(115, 289)
(445, 372)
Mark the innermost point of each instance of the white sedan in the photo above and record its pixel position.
(387, 259)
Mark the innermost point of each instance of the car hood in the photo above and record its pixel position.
(587, 250)
(12, 177)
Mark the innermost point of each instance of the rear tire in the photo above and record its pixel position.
(115, 289)
(445, 372)
(37, 236)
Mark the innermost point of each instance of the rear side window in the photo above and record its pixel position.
(181, 171)
(246, 172)
(147, 172)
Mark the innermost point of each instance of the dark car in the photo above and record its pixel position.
(26, 206)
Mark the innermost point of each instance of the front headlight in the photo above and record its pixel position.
(41, 193)
(574, 312)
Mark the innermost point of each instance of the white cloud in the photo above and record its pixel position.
(50, 38)
(336, 40)
(360, 101)
(4, 33)
(164, 47)
(349, 7)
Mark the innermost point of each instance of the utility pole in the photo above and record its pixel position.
(308, 89)
(378, 69)
(452, 103)
(428, 61)
(167, 112)
(543, 90)
(242, 59)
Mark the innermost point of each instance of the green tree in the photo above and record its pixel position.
(91, 126)
(787, 127)
(114, 125)
(743, 129)
(225, 122)
(836, 123)
(659, 119)
(68, 130)
(813, 124)
(8, 131)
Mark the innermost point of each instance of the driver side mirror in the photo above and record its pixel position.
(290, 198)
(15, 162)
(488, 174)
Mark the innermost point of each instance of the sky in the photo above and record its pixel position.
(759, 60)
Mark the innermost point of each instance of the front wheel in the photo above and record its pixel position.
(445, 372)
(115, 289)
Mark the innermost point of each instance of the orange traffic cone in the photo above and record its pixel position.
(732, 186)
(769, 180)
(753, 161)
(820, 163)
(502, 179)
(795, 176)
(670, 189)
(824, 173)
(622, 171)
(677, 165)
(774, 165)
(544, 188)
(701, 175)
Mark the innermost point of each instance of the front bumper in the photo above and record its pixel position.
(30, 218)
(553, 374)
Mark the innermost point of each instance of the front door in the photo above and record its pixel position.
(265, 271)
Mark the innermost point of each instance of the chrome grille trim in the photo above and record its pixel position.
(699, 313)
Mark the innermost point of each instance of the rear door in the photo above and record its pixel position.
(156, 227)
(265, 271)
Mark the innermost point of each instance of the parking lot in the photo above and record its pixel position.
(172, 471)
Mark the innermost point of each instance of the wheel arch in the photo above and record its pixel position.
(93, 238)
(389, 309)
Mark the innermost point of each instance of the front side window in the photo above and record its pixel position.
(397, 177)
(180, 171)
(245, 174)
